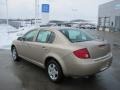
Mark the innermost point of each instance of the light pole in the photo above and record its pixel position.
(36, 11)
(7, 12)
(7, 20)
(74, 12)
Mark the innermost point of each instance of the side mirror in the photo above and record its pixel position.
(21, 38)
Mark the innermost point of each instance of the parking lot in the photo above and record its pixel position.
(23, 75)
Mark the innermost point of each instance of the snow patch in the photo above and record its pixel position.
(9, 34)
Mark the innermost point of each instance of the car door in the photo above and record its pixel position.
(26, 43)
(42, 45)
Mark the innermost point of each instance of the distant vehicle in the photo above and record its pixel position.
(87, 26)
(63, 51)
(92, 27)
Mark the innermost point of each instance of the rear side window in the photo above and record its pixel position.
(76, 35)
(30, 35)
(45, 37)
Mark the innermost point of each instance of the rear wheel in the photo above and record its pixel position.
(14, 54)
(54, 71)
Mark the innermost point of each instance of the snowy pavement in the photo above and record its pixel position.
(9, 34)
(6, 36)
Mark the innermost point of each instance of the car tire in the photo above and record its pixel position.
(14, 54)
(54, 71)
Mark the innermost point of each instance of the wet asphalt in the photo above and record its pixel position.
(23, 75)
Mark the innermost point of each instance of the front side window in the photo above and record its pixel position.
(76, 35)
(30, 35)
(44, 36)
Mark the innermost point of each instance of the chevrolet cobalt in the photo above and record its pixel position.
(63, 52)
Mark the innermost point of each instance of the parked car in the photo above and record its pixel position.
(63, 51)
(87, 26)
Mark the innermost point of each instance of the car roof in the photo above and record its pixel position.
(54, 28)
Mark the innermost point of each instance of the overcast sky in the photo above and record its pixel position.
(59, 9)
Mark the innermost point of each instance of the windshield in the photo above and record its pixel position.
(76, 35)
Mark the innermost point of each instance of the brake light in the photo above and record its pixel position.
(82, 53)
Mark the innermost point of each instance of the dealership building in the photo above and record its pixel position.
(109, 16)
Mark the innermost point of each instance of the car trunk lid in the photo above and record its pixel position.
(96, 48)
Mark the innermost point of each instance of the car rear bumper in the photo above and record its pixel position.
(88, 67)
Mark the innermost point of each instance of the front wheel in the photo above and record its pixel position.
(14, 54)
(54, 71)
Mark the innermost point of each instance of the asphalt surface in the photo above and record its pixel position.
(23, 75)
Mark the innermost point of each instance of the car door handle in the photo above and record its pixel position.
(43, 47)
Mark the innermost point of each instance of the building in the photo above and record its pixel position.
(109, 16)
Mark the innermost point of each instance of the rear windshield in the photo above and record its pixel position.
(76, 35)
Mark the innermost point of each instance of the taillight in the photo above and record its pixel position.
(82, 53)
